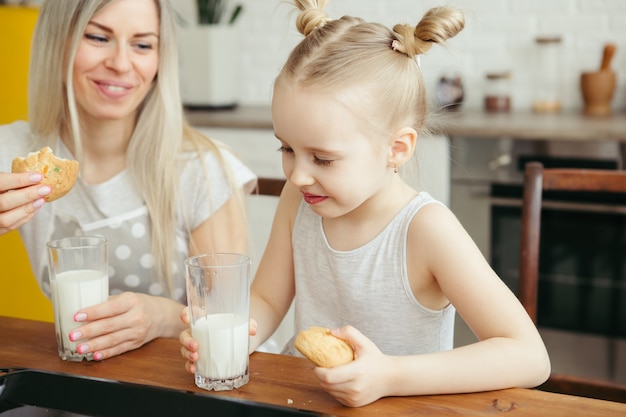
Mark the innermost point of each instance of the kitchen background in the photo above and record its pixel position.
(498, 36)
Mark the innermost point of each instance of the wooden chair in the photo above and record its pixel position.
(269, 186)
(536, 181)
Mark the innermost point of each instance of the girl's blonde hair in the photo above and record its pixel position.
(349, 54)
(161, 131)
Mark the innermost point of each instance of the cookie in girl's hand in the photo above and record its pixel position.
(322, 348)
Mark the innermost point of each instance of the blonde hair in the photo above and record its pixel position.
(161, 131)
(349, 54)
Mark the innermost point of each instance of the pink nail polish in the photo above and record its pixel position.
(97, 356)
(44, 190)
(38, 203)
(82, 349)
(35, 177)
(74, 336)
(80, 317)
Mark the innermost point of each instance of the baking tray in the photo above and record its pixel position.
(29, 392)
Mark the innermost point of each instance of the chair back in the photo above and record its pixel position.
(536, 181)
(270, 186)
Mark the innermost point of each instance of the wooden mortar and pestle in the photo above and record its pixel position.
(598, 87)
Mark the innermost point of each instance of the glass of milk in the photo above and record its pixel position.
(79, 278)
(218, 296)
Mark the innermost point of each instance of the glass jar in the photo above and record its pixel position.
(547, 76)
(498, 92)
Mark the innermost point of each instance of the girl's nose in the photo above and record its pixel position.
(300, 176)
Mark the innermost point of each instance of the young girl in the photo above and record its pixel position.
(382, 264)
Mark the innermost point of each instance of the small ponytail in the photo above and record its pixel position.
(437, 26)
(312, 15)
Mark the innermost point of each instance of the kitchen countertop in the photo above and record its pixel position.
(517, 125)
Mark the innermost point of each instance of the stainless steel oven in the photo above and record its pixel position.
(583, 255)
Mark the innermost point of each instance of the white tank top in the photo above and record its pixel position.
(367, 287)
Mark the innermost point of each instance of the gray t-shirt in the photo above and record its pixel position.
(367, 288)
(116, 210)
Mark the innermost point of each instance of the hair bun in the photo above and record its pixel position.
(312, 15)
(437, 26)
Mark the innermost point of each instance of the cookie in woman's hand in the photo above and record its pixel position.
(58, 173)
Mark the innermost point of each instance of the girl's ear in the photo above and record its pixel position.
(402, 146)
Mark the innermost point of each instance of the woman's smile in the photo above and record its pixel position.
(113, 89)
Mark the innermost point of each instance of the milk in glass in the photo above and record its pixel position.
(72, 291)
(223, 346)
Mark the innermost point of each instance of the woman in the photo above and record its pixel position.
(103, 89)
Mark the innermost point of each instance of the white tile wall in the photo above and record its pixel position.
(498, 35)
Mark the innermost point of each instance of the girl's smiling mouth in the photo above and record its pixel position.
(313, 198)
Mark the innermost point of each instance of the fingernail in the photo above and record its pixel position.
(80, 317)
(77, 335)
(82, 349)
(45, 190)
(97, 356)
(36, 177)
(38, 203)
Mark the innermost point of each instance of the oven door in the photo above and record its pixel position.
(582, 258)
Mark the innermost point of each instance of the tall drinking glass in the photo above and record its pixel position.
(218, 295)
(79, 278)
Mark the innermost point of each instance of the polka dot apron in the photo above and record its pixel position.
(131, 262)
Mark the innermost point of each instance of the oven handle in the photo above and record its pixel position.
(561, 205)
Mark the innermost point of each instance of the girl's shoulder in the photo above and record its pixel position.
(432, 217)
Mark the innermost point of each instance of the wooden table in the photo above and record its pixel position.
(278, 379)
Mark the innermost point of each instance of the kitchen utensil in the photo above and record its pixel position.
(607, 56)
(597, 87)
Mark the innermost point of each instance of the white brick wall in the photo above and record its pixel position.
(499, 35)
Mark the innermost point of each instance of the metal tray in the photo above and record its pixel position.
(28, 392)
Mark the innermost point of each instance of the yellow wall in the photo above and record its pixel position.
(20, 295)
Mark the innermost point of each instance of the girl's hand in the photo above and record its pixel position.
(189, 345)
(361, 381)
(20, 198)
(125, 322)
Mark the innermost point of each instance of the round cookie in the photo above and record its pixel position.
(58, 173)
(322, 348)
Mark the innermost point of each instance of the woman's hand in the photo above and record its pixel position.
(20, 198)
(125, 322)
(189, 345)
(361, 381)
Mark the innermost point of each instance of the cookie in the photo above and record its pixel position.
(322, 348)
(58, 173)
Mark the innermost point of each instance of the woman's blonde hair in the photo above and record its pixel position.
(349, 54)
(161, 131)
